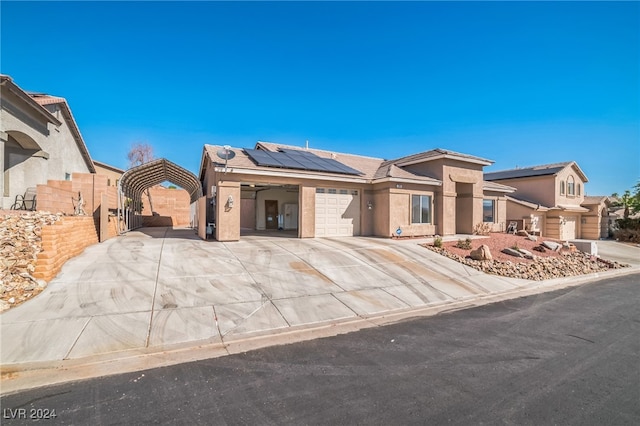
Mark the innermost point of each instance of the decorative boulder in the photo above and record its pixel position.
(522, 233)
(532, 238)
(481, 253)
(512, 252)
(540, 248)
(526, 253)
(551, 245)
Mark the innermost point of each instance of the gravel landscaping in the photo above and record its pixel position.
(20, 243)
(542, 265)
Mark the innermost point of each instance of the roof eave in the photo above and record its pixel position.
(282, 173)
(8, 82)
(475, 160)
(406, 180)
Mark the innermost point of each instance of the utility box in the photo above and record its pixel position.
(589, 247)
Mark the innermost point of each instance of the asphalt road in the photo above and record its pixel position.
(569, 357)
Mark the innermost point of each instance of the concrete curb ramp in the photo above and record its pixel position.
(161, 296)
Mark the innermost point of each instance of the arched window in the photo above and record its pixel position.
(571, 187)
(561, 187)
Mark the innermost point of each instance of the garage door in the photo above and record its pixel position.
(569, 228)
(337, 212)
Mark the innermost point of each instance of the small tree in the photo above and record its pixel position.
(141, 153)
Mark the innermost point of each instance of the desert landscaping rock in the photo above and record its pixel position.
(20, 243)
(551, 245)
(532, 238)
(481, 253)
(548, 265)
(526, 253)
(512, 252)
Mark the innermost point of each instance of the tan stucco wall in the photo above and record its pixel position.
(307, 210)
(392, 209)
(539, 189)
(228, 217)
(567, 199)
(112, 176)
(500, 213)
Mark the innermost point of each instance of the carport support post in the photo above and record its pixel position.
(228, 211)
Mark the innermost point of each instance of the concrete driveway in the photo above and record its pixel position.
(159, 289)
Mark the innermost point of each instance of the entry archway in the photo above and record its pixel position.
(136, 180)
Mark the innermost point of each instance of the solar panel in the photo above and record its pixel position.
(300, 160)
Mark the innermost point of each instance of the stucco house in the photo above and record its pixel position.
(39, 141)
(112, 173)
(550, 199)
(317, 193)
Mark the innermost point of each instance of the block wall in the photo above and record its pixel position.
(61, 241)
(172, 207)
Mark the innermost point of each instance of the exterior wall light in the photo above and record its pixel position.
(369, 205)
(230, 201)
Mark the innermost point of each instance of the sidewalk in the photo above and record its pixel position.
(161, 296)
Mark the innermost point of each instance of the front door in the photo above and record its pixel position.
(271, 213)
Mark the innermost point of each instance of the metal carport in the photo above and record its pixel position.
(137, 179)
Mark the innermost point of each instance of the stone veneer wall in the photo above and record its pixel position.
(61, 241)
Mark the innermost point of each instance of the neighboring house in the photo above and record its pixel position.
(112, 173)
(320, 193)
(39, 141)
(550, 200)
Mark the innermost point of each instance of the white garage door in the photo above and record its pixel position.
(569, 228)
(337, 212)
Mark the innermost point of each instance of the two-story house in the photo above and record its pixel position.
(550, 200)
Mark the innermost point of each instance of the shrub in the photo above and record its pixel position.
(437, 241)
(515, 247)
(464, 244)
(482, 228)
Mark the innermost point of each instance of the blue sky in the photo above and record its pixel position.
(518, 83)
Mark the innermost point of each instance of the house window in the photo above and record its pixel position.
(488, 210)
(561, 187)
(579, 189)
(571, 188)
(421, 209)
(67, 176)
(319, 190)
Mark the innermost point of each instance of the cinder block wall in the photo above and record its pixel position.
(167, 203)
(56, 197)
(61, 241)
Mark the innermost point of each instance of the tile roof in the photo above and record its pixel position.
(373, 169)
(7, 81)
(528, 203)
(594, 199)
(541, 170)
(498, 187)
(43, 99)
(440, 153)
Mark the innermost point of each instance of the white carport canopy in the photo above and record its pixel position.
(137, 179)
